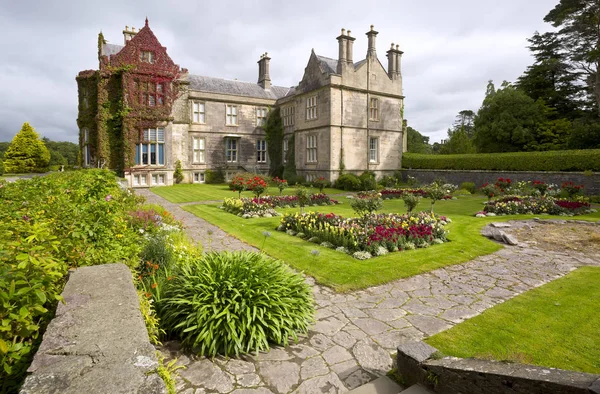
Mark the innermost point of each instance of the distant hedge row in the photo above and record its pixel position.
(568, 160)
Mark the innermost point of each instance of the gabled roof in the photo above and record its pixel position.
(236, 88)
(111, 49)
(329, 65)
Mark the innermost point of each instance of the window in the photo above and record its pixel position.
(373, 149)
(231, 115)
(231, 150)
(139, 180)
(261, 151)
(87, 159)
(311, 108)
(158, 179)
(311, 149)
(288, 115)
(261, 116)
(147, 56)
(151, 150)
(198, 147)
(374, 109)
(150, 93)
(198, 112)
(285, 150)
(151, 100)
(198, 177)
(85, 98)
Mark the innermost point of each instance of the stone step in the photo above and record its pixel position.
(416, 389)
(382, 385)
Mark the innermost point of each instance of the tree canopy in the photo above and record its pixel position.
(416, 142)
(274, 137)
(26, 153)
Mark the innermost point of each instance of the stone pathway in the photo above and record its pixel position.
(355, 334)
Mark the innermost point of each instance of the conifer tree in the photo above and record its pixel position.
(26, 153)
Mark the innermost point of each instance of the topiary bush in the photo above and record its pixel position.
(235, 302)
(348, 182)
(469, 186)
(368, 180)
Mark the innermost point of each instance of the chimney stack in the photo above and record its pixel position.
(264, 79)
(398, 58)
(345, 51)
(372, 34)
(128, 34)
(350, 44)
(393, 55)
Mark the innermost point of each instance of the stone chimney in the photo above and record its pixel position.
(128, 34)
(372, 34)
(349, 45)
(398, 65)
(393, 55)
(264, 79)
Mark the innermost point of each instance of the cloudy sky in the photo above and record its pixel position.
(451, 48)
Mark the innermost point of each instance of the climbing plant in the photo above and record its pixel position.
(274, 137)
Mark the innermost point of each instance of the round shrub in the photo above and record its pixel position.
(348, 182)
(368, 181)
(235, 302)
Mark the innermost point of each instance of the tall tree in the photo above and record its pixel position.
(416, 142)
(458, 143)
(27, 152)
(578, 22)
(274, 137)
(62, 152)
(465, 120)
(507, 120)
(551, 77)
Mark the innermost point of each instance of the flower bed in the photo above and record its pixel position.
(515, 205)
(370, 235)
(263, 206)
(388, 194)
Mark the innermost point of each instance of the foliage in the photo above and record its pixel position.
(515, 205)
(178, 174)
(274, 137)
(388, 181)
(62, 150)
(302, 196)
(365, 203)
(249, 207)
(255, 183)
(238, 183)
(320, 183)
(436, 192)
(368, 181)
(370, 232)
(464, 121)
(150, 318)
(289, 170)
(469, 186)
(348, 182)
(573, 160)
(490, 190)
(214, 177)
(458, 143)
(1, 167)
(571, 189)
(236, 303)
(410, 201)
(281, 184)
(167, 372)
(26, 153)
(416, 142)
(585, 134)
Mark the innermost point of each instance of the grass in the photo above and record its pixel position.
(203, 192)
(342, 272)
(555, 325)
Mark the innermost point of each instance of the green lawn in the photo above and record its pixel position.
(342, 272)
(203, 192)
(556, 325)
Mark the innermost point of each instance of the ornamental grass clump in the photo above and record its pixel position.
(235, 303)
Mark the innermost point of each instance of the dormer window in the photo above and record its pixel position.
(147, 56)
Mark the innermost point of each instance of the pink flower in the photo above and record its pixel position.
(108, 198)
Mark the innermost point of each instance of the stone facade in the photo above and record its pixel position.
(343, 115)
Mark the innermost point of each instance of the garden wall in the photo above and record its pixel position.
(591, 181)
(451, 375)
(98, 342)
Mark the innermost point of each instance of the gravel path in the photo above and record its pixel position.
(355, 333)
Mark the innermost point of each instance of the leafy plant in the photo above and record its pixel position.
(366, 203)
(368, 181)
(320, 183)
(303, 197)
(410, 201)
(470, 186)
(178, 174)
(348, 182)
(168, 372)
(26, 152)
(236, 303)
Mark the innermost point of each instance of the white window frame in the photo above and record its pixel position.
(231, 115)
(87, 159)
(261, 116)
(373, 149)
(261, 151)
(198, 150)
(311, 148)
(154, 137)
(232, 147)
(289, 115)
(311, 108)
(199, 177)
(147, 57)
(157, 179)
(286, 146)
(374, 108)
(198, 112)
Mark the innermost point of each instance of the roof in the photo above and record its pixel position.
(236, 88)
(111, 49)
(329, 64)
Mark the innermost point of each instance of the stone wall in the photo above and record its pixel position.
(98, 342)
(451, 375)
(591, 182)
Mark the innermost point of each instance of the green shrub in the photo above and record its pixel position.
(366, 203)
(348, 182)
(235, 303)
(1, 167)
(178, 174)
(368, 181)
(567, 160)
(214, 177)
(469, 186)
(388, 181)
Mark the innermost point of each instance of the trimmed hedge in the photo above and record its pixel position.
(568, 160)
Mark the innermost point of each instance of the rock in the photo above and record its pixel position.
(501, 225)
(329, 384)
(281, 375)
(418, 351)
(206, 374)
(313, 367)
(372, 357)
(509, 239)
(499, 235)
(336, 354)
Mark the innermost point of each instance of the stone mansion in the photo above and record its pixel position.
(141, 113)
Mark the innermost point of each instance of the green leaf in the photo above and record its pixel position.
(40, 294)
(3, 347)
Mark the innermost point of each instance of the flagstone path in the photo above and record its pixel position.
(355, 334)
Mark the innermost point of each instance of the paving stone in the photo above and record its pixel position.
(303, 351)
(352, 312)
(345, 369)
(399, 323)
(417, 307)
(372, 357)
(498, 292)
(428, 324)
(275, 354)
(238, 367)
(248, 380)
(204, 373)
(260, 390)
(329, 384)
(313, 367)
(329, 326)
(344, 339)
(438, 302)
(358, 378)
(336, 354)
(280, 375)
(386, 315)
(458, 314)
(391, 303)
(321, 342)
(371, 326)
